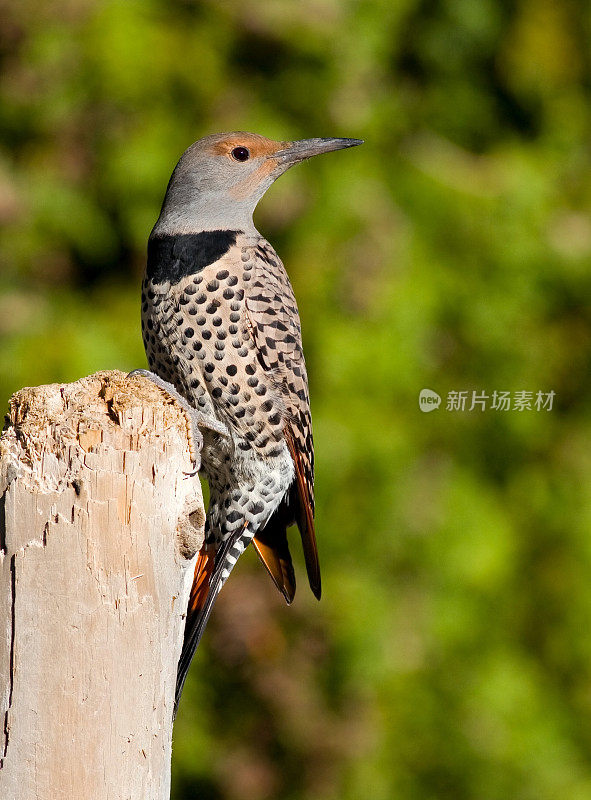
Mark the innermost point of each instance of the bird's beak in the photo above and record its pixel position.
(306, 148)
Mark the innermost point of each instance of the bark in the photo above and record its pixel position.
(99, 521)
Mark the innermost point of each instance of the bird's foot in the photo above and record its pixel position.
(195, 419)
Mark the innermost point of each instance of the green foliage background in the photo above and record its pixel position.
(450, 656)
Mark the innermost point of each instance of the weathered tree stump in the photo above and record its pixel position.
(99, 519)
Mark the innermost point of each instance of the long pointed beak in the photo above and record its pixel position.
(306, 148)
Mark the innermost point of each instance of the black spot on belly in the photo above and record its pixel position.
(171, 258)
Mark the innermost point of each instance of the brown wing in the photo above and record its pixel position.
(275, 322)
(305, 516)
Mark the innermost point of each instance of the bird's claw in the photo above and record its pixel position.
(195, 419)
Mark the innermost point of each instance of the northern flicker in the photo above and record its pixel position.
(222, 331)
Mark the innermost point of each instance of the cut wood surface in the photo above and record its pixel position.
(99, 521)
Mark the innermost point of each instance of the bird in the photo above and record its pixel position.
(222, 334)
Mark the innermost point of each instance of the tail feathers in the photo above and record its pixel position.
(272, 548)
(210, 576)
(204, 568)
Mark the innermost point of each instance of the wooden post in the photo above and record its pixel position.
(99, 521)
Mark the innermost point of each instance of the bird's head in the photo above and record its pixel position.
(219, 180)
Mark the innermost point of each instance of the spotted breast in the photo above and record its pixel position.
(220, 322)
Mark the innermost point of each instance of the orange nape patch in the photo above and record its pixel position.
(258, 145)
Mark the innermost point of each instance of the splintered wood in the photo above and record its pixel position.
(99, 518)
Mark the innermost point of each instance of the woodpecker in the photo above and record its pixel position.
(222, 334)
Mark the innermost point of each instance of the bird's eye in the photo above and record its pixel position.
(240, 153)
